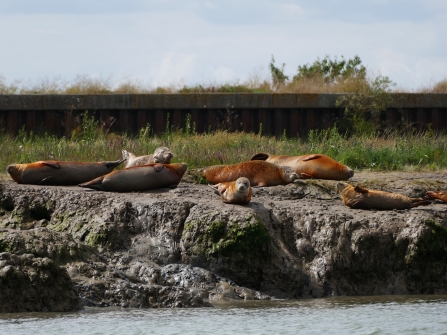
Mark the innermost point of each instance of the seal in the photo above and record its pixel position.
(235, 192)
(441, 195)
(139, 178)
(362, 198)
(161, 155)
(310, 166)
(259, 173)
(59, 172)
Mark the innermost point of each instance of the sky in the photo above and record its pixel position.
(186, 42)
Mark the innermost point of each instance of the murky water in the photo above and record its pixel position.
(346, 315)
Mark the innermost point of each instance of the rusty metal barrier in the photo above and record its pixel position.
(272, 113)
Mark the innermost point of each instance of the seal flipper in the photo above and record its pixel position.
(360, 189)
(126, 154)
(51, 164)
(214, 187)
(114, 164)
(305, 175)
(310, 157)
(44, 180)
(95, 184)
(158, 167)
(357, 204)
(262, 156)
(420, 202)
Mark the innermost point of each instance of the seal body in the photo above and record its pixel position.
(362, 198)
(259, 173)
(139, 178)
(310, 166)
(235, 192)
(161, 155)
(59, 172)
(441, 195)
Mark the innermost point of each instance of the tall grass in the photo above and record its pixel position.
(389, 151)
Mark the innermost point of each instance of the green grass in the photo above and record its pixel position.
(388, 152)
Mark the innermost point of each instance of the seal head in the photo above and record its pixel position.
(235, 192)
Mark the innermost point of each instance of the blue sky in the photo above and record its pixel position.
(201, 42)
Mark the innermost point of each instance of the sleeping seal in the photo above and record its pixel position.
(362, 198)
(259, 173)
(310, 166)
(59, 172)
(139, 178)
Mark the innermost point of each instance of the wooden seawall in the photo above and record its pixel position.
(289, 113)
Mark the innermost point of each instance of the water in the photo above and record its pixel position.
(341, 315)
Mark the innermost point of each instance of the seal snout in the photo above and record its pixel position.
(292, 175)
(11, 169)
(14, 172)
(350, 172)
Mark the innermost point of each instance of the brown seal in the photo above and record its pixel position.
(59, 172)
(362, 198)
(235, 192)
(441, 195)
(259, 173)
(161, 155)
(310, 166)
(139, 178)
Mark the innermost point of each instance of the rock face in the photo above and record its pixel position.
(184, 247)
(30, 284)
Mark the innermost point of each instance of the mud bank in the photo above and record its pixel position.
(183, 247)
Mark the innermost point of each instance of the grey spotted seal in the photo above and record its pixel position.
(161, 155)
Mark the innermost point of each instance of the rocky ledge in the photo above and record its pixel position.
(184, 247)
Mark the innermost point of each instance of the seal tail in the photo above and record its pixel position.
(95, 184)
